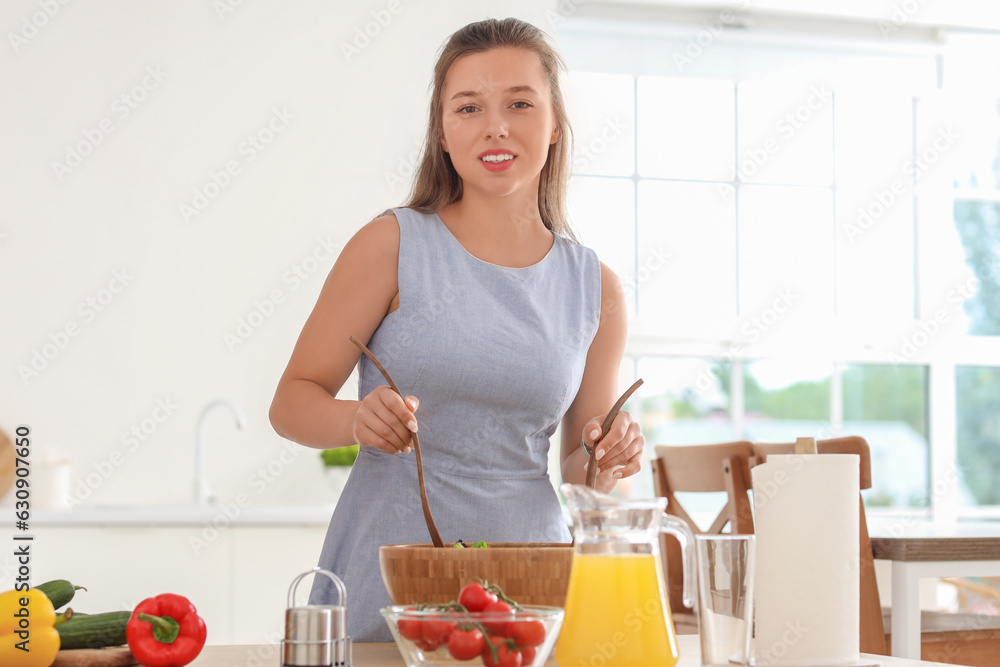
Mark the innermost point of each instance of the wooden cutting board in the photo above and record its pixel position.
(114, 656)
(7, 464)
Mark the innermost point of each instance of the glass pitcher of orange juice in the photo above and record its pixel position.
(617, 613)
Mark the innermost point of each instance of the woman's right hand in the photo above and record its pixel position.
(383, 420)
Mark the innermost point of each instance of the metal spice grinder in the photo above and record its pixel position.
(316, 635)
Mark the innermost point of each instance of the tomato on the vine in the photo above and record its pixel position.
(527, 654)
(426, 645)
(466, 644)
(412, 629)
(475, 597)
(506, 656)
(527, 632)
(436, 630)
(501, 609)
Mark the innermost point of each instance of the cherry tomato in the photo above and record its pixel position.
(506, 656)
(491, 640)
(436, 630)
(466, 644)
(474, 597)
(527, 632)
(499, 608)
(411, 628)
(527, 654)
(425, 645)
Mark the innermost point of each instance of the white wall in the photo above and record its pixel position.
(202, 76)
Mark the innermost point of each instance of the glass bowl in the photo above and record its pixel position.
(422, 635)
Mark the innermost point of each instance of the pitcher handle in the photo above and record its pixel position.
(680, 529)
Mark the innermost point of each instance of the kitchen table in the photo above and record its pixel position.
(919, 549)
(387, 655)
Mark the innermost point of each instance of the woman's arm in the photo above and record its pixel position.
(620, 451)
(360, 290)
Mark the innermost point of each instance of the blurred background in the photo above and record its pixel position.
(801, 198)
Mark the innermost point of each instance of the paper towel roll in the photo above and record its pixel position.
(807, 581)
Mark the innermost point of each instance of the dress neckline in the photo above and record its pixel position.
(499, 266)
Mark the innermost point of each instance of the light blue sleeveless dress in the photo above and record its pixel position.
(495, 355)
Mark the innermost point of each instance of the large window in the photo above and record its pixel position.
(808, 228)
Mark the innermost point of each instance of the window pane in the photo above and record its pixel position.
(943, 141)
(875, 216)
(977, 391)
(875, 257)
(601, 109)
(686, 402)
(786, 400)
(980, 158)
(786, 252)
(969, 54)
(887, 406)
(602, 211)
(687, 253)
(687, 129)
(785, 133)
(978, 225)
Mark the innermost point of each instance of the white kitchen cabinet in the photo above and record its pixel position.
(238, 581)
(265, 562)
(123, 565)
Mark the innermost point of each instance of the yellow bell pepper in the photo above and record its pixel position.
(28, 637)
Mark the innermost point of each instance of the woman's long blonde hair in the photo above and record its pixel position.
(437, 184)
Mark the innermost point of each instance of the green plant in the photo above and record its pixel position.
(340, 456)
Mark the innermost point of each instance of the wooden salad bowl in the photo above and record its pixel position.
(529, 573)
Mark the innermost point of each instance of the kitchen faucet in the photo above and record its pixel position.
(203, 495)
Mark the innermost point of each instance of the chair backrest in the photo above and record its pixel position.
(701, 469)
(712, 467)
(847, 445)
(706, 469)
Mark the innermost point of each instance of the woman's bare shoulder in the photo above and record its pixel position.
(611, 284)
(380, 231)
(375, 244)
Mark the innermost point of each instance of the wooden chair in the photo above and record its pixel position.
(700, 469)
(976, 591)
(872, 627)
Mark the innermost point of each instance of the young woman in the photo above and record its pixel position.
(492, 320)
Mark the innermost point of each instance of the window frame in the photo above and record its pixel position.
(838, 340)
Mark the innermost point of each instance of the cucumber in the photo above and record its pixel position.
(94, 630)
(58, 591)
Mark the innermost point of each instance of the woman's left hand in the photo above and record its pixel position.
(620, 450)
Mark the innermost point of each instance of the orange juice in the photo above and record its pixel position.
(615, 614)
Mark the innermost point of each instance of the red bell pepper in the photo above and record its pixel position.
(165, 631)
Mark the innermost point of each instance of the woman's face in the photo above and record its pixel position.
(497, 120)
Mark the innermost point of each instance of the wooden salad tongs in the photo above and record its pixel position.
(435, 536)
(592, 466)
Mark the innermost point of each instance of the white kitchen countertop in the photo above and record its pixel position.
(219, 515)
